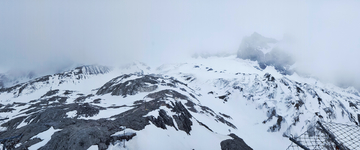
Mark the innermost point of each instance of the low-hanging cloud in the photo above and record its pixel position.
(53, 34)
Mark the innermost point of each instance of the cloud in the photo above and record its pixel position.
(49, 34)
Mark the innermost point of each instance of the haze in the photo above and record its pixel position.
(48, 35)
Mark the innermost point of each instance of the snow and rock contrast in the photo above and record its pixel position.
(203, 103)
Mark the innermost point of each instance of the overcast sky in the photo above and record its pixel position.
(50, 34)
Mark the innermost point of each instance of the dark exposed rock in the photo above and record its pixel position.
(299, 90)
(190, 106)
(270, 114)
(159, 122)
(13, 123)
(184, 123)
(145, 83)
(97, 101)
(167, 119)
(182, 117)
(67, 92)
(87, 110)
(319, 100)
(50, 93)
(318, 114)
(57, 98)
(298, 104)
(330, 112)
(352, 105)
(269, 77)
(204, 125)
(7, 109)
(225, 97)
(83, 98)
(277, 126)
(221, 119)
(180, 108)
(79, 136)
(226, 116)
(208, 110)
(167, 93)
(77, 133)
(125, 136)
(162, 120)
(234, 144)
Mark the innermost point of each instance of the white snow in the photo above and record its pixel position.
(93, 147)
(71, 114)
(44, 136)
(247, 107)
(155, 138)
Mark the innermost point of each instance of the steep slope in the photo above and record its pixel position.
(266, 101)
(213, 103)
(128, 107)
(15, 77)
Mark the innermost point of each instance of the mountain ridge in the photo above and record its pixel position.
(200, 97)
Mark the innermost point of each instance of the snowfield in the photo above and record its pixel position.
(195, 104)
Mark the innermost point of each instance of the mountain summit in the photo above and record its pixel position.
(204, 103)
(265, 51)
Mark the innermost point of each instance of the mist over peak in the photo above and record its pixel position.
(256, 42)
(257, 48)
(321, 37)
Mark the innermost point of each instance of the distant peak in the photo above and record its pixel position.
(93, 69)
(264, 50)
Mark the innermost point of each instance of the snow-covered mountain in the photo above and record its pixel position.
(212, 103)
(267, 52)
(251, 100)
(15, 77)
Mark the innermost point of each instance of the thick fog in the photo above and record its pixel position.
(323, 36)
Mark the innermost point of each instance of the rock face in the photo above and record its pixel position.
(145, 83)
(256, 48)
(179, 104)
(75, 75)
(70, 112)
(234, 144)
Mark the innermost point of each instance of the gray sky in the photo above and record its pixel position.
(49, 34)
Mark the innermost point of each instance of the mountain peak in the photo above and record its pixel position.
(264, 50)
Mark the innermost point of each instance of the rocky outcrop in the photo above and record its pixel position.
(235, 143)
(145, 83)
(71, 76)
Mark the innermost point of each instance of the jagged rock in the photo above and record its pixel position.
(167, 93)
(162, 120)
(87, 110)
(50, 93)
(234, 144)
(277, 126)
(83, 98)
(182, 117)
(145, 83)
(184, 123)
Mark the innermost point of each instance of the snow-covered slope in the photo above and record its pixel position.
(213, 103)
(15, 77)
